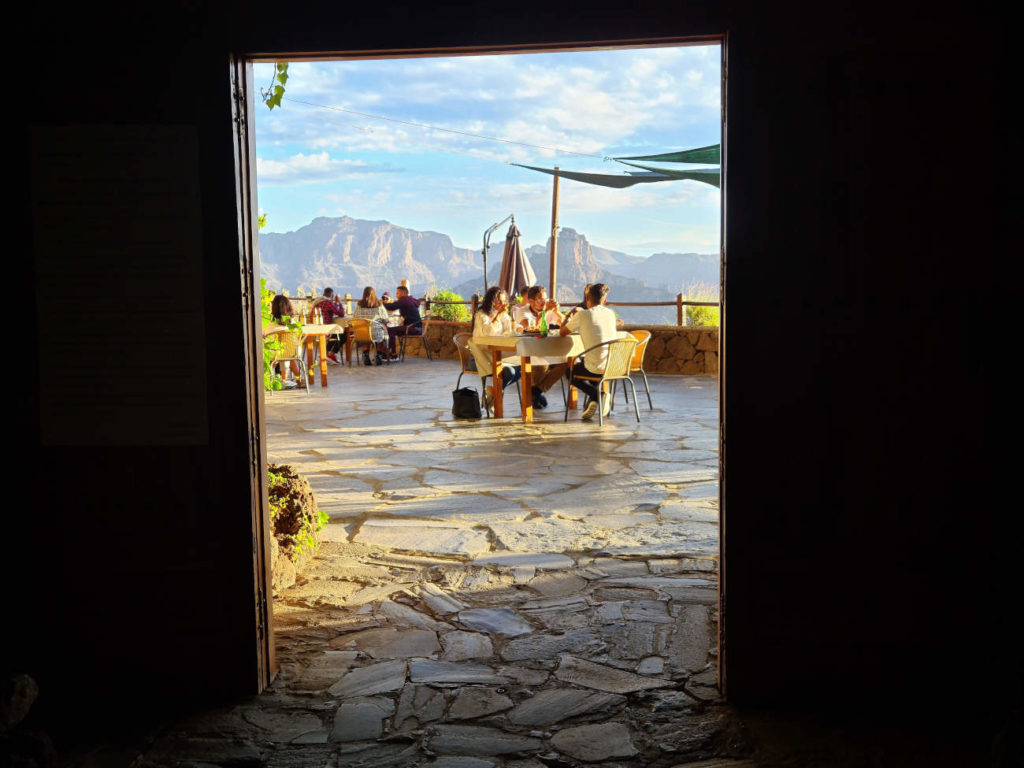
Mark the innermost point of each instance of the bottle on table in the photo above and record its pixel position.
(542, 325)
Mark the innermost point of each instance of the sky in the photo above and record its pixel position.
(426, 143)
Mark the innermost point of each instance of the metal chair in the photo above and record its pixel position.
(468, 364)
(620, 354)
(422, 324)
(283, 360)
(636, 365)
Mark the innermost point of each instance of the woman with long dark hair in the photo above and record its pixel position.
(492, 319)
(370, 308)
(280, 309)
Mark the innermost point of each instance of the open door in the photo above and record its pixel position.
(245, 157)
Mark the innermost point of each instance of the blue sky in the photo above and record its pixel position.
(566, 109)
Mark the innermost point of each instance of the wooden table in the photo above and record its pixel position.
(317, 334)
(311, 335)
(527, 347)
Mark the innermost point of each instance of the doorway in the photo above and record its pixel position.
(415, 625)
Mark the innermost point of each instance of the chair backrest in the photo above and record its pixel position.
(642, 337)
(465, 354)
(281, 337)
(620, 355)
(360, 328)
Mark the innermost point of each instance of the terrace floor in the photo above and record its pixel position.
(393, 468)
(489, 593)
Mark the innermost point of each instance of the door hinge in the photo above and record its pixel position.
(238, 96)
(261, 610)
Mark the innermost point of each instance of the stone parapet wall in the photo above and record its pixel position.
(680, 349)
(439, 337)
(672, 349)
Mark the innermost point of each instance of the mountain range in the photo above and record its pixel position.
(348, 254)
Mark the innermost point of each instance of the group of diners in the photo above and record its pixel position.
(591, 318)
(329, 307)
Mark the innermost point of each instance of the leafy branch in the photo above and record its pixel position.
(273, 94)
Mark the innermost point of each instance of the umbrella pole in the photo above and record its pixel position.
(485, 259)
(553, 288)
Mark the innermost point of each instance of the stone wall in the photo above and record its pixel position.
(672, 349)
(680, 349)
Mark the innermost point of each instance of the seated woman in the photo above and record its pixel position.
(280, 309)
(372, 309)
(492, 319)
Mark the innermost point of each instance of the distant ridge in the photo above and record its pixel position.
(348, 254)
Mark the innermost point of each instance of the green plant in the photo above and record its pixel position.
(294, 520)
(273, 94)
(701, 291)
(450, 312)
(305, 540)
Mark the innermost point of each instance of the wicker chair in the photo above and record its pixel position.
(298, 359)
(468, 365)
(359, 327)
(617, 365)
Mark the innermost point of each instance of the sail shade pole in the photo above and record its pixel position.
(553, 287)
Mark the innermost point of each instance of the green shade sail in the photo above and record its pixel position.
(650, 174)
(711, 154)
(618, 181)
(707, 175)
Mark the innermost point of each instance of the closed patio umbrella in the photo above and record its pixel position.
(516, 273)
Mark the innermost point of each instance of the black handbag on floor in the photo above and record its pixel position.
(466, 403)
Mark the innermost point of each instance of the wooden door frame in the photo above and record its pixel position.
(242, 106)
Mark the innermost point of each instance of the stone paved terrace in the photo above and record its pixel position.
(490, 594)
(394, 469)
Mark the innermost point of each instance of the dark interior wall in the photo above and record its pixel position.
(869, 539)
(132, 567)
(869, 542)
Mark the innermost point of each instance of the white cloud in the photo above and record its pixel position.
(586, 102)
(306, 169)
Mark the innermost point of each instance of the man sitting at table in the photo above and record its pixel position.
(596, 325)
(330, 307)
(409, 307)
(546, 370)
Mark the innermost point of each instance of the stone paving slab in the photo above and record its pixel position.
(423, 535)
(473, 508)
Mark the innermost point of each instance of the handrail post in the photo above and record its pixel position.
(476, 301)
(679, 309)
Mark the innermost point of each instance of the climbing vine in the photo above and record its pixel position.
(273, 93)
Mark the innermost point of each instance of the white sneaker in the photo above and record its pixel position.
(488, 400)
(289, 384)
(590, 410)
(607, 405)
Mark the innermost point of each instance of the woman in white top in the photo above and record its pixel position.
(370, 308)
(492, 319)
